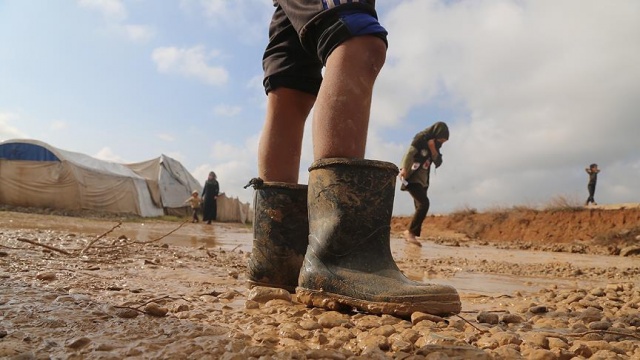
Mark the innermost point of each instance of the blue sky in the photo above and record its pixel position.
(533, 91)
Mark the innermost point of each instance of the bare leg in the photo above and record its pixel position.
(281, 140)
(341, 117)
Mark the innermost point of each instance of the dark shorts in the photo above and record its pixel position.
(303, 33)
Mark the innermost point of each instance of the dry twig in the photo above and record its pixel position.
(163, 236)
(473, 326)
(99, 237)
(62, 251)
(154, 300)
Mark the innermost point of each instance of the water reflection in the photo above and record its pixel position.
(192, 235)
(240, 237)
(500, 284)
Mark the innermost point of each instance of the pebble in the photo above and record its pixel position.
(78, 343)
(418, 316)
(46, 276)
(154, 309)
(332, 319)
(488, 318)
(126, 313)
(512, 319)
(539, 309)
(250, 304)
(263, 294)
(599, 325)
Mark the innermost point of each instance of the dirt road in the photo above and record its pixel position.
(75, 288)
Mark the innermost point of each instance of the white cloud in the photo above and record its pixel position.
(190, 62)
(108, 155)
(113, 10)
(248, 17)
(115, 14)
(166, 137)
(8, 131)
(538, 94)
(139, 33)
(59, 125)
(227, 110)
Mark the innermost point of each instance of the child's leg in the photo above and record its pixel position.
(281, 140)
(341, 117)
(421, 203)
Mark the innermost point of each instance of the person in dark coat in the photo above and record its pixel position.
(209, 198)
(414, 173)
(593, 171)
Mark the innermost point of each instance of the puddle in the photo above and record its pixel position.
(194, 235)
(495, 285)
(239, 237)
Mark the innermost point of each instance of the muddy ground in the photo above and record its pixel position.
(534, 285)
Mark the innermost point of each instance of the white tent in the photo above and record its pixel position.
(36, 174)
(170, 184)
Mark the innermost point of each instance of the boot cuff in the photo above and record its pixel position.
(332, 162)
(282, 185)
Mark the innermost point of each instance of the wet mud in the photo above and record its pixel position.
(76, 288)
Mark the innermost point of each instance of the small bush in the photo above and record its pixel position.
(563, 203)
(465, 211)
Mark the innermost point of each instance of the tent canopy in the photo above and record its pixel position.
(36, 174)
(169, 181)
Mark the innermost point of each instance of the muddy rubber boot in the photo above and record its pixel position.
(348, 264)
(280, 234)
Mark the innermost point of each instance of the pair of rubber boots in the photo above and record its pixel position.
(329, 242)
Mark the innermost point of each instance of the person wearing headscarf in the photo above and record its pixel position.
(209, 197)
(414, 173)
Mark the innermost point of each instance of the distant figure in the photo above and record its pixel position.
(210, 196)
(194, 200)
(414, 173)
(593, 171)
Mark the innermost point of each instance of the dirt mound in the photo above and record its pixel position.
(615, 228)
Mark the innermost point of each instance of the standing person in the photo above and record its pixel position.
(593, 171)
(414, 174)
(329, 240)
(194, 200)
(209, 197)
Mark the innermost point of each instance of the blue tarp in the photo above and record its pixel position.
(23, 151)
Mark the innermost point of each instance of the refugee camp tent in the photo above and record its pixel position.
(170, 184)
(36, 174)
(232, 209)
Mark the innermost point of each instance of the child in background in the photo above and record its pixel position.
(414, 173)
(194, 200)
(593, 171)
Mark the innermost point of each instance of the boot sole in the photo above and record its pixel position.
(440, 305)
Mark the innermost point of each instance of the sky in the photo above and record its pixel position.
(533, 91)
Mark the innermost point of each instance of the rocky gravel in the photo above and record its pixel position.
(73, 295)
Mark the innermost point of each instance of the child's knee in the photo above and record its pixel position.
(359, 27)
(372, 51)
